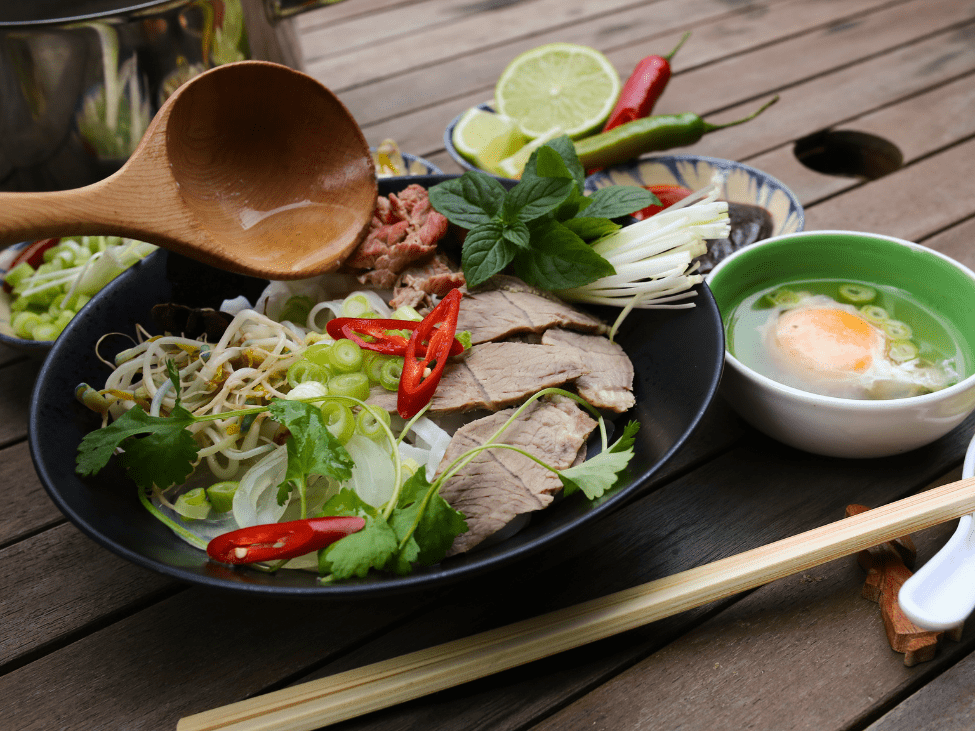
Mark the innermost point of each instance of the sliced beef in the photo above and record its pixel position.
(609, 383)
(416, 284)
(499, 484)
(506, 306)
(494, 375)
(404, 229)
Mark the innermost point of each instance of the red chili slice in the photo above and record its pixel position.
(275, 541)
(416, 385)
(353, 328)
(668, 195)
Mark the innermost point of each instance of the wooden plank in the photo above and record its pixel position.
(72, 583)
(807, 652)
(812, 105)
(318, 17)
(833, 98)
(633, 32)
(188, 652)
(24, 506)
(922, 125)
(912, 203)
(946, 703)
(16, 383)
(733, 503)
(956, 242)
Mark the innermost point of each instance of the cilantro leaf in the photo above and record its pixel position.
(370, 548)
(486, 252)
(97, 447)
(620, 200)
(312, 448)
(429, 520)
(559, 259)
(473, 199)
(596, 475)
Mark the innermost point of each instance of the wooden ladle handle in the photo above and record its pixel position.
(355, 692)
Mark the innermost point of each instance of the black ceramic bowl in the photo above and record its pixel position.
(678, 356)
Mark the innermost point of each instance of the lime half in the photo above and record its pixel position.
(560, 85)
(477, 128)
(514, 165)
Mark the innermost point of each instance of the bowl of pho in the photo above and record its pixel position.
(285, 419)
(847, 344)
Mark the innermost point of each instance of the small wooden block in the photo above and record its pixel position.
(887, 570)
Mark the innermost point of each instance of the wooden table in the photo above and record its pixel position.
(92, 642)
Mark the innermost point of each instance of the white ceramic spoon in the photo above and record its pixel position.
(941, 594)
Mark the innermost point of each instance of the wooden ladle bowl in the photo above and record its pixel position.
(252, 167)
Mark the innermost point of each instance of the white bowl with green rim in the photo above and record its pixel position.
(846, 427)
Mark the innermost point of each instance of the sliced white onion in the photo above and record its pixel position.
(256, 499)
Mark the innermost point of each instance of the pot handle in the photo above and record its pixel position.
(280, 9)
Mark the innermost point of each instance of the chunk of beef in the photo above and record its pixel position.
(404, 229)
(506, 306)
(609, 383)
(416, 284)
(494, 375)
(498, 484)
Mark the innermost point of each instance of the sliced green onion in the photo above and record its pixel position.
(339, 420)
(857, 294)
(355, 305)
(193, 505)
(221, 495)
(390, 374)
(318, 354)
(407, 313)
(369, 422)
(304, 370)
(901, 351)
(354, 385)
(345, 356)
(897, 330)
(873, 313)
(296, 309)
(781, 298)
(373, 364)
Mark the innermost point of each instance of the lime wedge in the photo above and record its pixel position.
(477, 129)
(513, 166)
(558, 85)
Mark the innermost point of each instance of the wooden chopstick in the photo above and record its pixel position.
(356, 692)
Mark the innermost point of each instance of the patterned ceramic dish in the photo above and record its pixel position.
(7, 336)
(743, 184)
(414, 166)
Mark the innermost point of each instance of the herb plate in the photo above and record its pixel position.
(677, 376)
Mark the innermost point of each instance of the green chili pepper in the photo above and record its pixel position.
(649, 134)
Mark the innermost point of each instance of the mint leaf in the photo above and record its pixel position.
(559, 259)
(97, 447)
(533, 198)
(470, 200)
(619, 200)
(597, 474)
(590, 229)
(517, 233)
(486, 252)
(565, 162)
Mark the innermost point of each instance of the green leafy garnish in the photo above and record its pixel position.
(312, 448)
(543, 226)
(599, 473)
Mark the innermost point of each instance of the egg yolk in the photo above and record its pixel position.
(827, 340)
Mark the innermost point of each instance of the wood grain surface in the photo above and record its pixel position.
(90, 641)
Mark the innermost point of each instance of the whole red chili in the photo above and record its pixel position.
(275, 541)
(667, 195)
(421, 377)
(383, 341)
(642, 90)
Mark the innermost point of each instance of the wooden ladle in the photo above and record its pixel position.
(251, 167)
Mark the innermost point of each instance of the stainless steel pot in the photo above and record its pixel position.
(80, 79)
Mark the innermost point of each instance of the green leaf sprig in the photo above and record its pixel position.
(542, 228)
